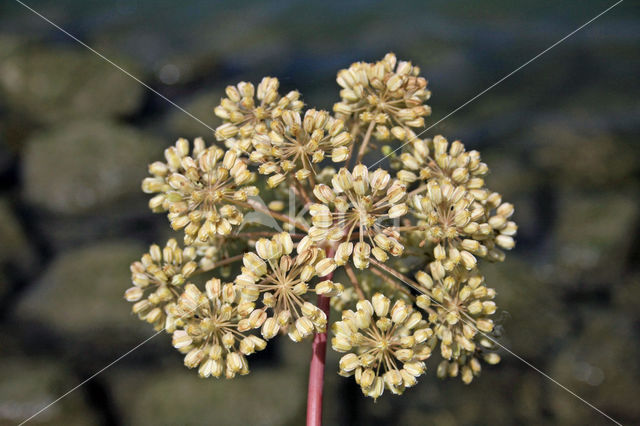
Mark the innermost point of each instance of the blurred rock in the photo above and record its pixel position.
(28, 385)
(52, 84)
(5, 154)
(626, 295)
(201, 106)
(592, 236)
(267, 396)
(599, 365)
(579, 158)
(524, 298)
(83, 165)
(15, 249)
(502, 395)
(81, 292)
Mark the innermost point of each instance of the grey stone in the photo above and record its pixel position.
(28, 385)
(15, 248)
(582, 158)
(176, 395)
(526, 301)
(592, 237)
(82, 290)
(201, 106)
(84, 165)
(599, 365)
(53, 84)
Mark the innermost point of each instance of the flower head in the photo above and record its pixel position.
(389, 93)
(459, 306)
(385, 345)
(296, 143)
(158, 279)
(435, 158)
(247, 113)
(460, 227)
(214, 335)
(359, 202)
(281, 281)
(199, 192)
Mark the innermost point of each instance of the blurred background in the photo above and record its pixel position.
(76, 134)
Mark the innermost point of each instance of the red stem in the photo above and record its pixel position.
(316, 369)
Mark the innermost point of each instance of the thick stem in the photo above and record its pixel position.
(316, 369)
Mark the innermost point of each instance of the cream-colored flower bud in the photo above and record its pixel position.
(424, 279)
(468, 260)
(393, 378)
(505, 241)
(275, 180)
(254, 263)
(257, 318)
(376, 389)
(270, 328)
(367, 377)
(380, 179)
(181, 339)
(349, 362)
(423, 301)
(399, 312)
(437, 270)
(245, 308)
(304, 326)
(234, 362)
(133, 294)
(485, 325)
(247, 347)
(325, 266)
(339, 154)
(343, 252)
(379, 254)
(300, 289)
(194, 358)
(491, 358)
(381, 304)
(304, 244)
(489, 307)
(422, 335)
(284, 238)
(398, 210)
(340, 344)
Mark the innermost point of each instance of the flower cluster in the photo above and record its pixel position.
(214, 335)
(358, 205)
(199, 191)
(398, 252)
(296, 143)
(246, 117)
(281, 282)
(388, 94)
(386, 345)
(158, 279)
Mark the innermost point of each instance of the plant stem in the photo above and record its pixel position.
(316, 368)
(365, 142)
(354, 280)
(408, 281)
(223, 262)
